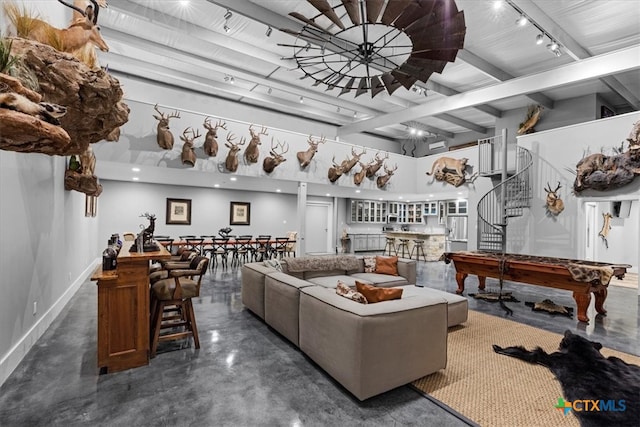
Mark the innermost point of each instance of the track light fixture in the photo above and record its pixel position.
(539, 38)
(522, 20)
(228, 15)
(269, 31)
(226, 28)
(553, 47)
(301, 100)
(269, 91)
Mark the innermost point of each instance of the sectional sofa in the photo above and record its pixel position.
(368, 348)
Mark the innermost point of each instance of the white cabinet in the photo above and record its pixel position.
(414, 213)
(456, 207)
(368, 211)
(368, 242)
(430, 208)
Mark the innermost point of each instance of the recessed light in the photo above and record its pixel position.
(135, 169)
(459, 193)
(135, 178)
(430, 195)
(278, 190)
(380, 199)
(233, 178)
(216, 185)
(328, 195)
(357, 191)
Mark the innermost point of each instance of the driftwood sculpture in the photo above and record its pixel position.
(165, 137)
(231, 162)
(382, 180)
(449, 170)
(533, 115)
(359, 176)
(211, 138)
(252, 152)
(335, 171)
(554, 203)
(188, 153)
(304, 157)
(276, 157)
(606, 226)
(374, 166)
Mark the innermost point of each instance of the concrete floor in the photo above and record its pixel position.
(245, 374)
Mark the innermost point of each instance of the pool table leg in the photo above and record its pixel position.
(582, 302)
(481, 282)
(601, 296)
(460, 279)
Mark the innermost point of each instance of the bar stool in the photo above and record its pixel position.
(404, 244)
(418, 248)
(390, 245)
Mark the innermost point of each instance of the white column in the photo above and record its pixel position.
(302, 217)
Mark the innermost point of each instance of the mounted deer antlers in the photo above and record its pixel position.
(252, 152)
(374, 166)
(359, 176)
(382, 180)
(554, 204)
(348, 164)
(335, 171)
(210, 139)
(270, 163)
(188, 154)
(304, 157)
(165, 137)
(231, 162)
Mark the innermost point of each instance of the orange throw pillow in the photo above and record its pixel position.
(387, 265)
(375, 294)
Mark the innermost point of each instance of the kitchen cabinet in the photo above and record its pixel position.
(456, 207)
(368, 242)
(414, 213)
(399, 211)
(430, 208)
(368, 211)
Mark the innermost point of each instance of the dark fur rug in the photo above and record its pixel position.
(589, 380)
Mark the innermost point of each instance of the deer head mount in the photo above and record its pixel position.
(359, 176)
(188, 154)
(374, 166)
(231, 162)
(211, 138)
(606, 226)
(335, 171)
(348, 164)
(304, 157)
(276, 156)
(252, 152)
(164, 137)
(382, 180)
(554, 204)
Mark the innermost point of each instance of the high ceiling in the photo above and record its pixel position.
(184, 43)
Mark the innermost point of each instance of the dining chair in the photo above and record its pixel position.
(261, 247)
(165, 241)
(291, 244)
(207, 245)
(220, 248)
(193, 243)
(280, 247)
(242, 249)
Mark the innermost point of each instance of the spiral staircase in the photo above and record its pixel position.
(510, 195)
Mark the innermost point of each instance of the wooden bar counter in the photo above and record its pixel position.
(123, 310)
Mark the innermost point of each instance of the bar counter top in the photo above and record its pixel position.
(419, 234)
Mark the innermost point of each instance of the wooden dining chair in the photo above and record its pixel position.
(220, 249)
(280, 247)
(242, 249)
(193, 243)
(261, 248)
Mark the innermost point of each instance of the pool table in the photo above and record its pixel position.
(581, 277)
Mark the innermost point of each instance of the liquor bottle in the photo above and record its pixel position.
(109, 257)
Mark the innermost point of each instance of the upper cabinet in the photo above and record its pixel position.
(430, 208)
(414, 213)
(456, 207)
(368, 211)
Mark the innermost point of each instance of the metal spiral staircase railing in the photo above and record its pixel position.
(506, 200)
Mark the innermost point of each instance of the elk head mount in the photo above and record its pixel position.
(554, 203)
(382, 180)
(252, 152)
(165, 137)
(231, 162)
(374, 166)
(304, 157)
(188, 154)
(211, 138)
(275, 158)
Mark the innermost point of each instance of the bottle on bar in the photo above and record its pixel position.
(109, 257)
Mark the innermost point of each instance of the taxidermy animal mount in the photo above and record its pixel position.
(554, 204)
(42, 110)
(449, 170)
(383, 180)
(374, 166)
(231, 162)
(165, 137)
(606, 226)
(533, 115)
(276, 157)
(188, 154)
(304, 157)
(211, 138)
(252, 152)
(335, 171)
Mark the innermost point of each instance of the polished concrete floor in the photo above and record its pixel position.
(245, 374)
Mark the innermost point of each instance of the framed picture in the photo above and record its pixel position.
(240, 213)
(179, 211)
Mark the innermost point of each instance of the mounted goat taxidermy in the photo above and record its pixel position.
(188, 154)
(275, 158)
(231, 162)
(335, 171)
(533, 115)
(211, 138)
(554, 204)
(305, 157)
(165, 137)
(252, 152)
(449, 170)
(606, 226)
(383, 180)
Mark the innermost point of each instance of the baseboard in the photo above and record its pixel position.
(15, 355)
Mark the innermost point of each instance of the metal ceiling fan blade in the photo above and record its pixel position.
(374, 7)
(308, 21)
(353, 10)
(362, 86)
(325, 8)
(348, 86)
(441, 54)
(434, 27)
(376, 86)
(405, 79)
(393, 10)
(419, 73)
(390, 82)
(303, 35)
(333, 84)
(412, 13)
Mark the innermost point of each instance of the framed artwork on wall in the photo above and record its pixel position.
(179, 211)
(240, 213)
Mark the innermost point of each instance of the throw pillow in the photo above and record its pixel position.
(274, 263)
(345, 291)
(387, 265)
(375, 294)
(369, 264)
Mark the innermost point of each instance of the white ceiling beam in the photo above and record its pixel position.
(587, 69)
(462, 122)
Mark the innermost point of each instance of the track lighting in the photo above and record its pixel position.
(269, 91)
(539, 38)
(301, 100)
(226, 28)
(228, 15)
(229, 79)
(522, 20)
(338, 110)
(269, 30)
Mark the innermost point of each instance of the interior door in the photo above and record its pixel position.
(591, 231)
(317, 229)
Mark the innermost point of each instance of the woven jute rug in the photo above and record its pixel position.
(630, 280)
(496, 390)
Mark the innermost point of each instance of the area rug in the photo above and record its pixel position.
(630, 280)
(495, 390)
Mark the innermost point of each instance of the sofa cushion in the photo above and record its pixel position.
(369, 264)
(345, 291)
(457, 305)
(332, 281)
(383, 280)
(375, 294)
(387, 265)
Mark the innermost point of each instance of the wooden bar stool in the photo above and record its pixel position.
(418, 248)
(404, 244)
(389, 246)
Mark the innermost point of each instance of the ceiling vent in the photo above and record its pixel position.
(436, 145)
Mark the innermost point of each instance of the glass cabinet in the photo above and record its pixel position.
(368, 211)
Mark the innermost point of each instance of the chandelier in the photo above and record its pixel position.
(373, 45)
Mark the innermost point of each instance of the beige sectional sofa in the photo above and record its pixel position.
(369, 349)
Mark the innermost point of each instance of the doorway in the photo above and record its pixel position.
(318, 228)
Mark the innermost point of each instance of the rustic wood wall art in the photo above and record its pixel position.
(305, 157)
(276, 156)
(449, 170)
(231, 161)
(188, 155)
(164, 136)
(252, 152)
(211, 138)
(533, 116)
(554, 203)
